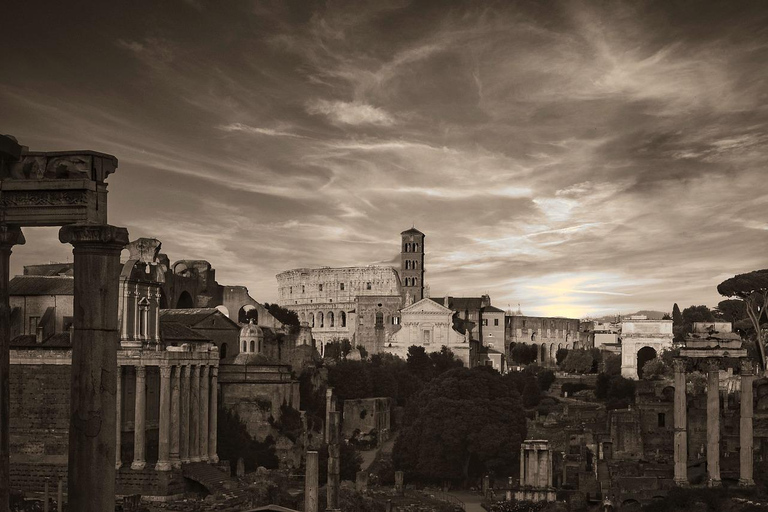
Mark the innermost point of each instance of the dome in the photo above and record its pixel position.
(251, 330)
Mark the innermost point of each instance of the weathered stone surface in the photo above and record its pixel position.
(311, 482)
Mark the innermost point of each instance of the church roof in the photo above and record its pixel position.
(412, 231)
(58, 340)
(42, 285)
(190, 316)
(174, 331)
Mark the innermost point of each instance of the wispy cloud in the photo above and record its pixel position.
(352, 113)
(240, 127)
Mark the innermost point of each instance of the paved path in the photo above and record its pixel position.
(471, 500)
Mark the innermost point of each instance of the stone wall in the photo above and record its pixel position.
(367, 414)
(550, 334)
(368, 333)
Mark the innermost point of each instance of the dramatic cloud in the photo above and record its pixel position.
(574, 157)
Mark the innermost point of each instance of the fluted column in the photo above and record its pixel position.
(746, 438)
(9, 236)
(681, 425)
(204, 403)
(139, 419)
(163, 444)
(713, 423)
(118, 417)
(213, 411)
(175, 415)
(194, 420)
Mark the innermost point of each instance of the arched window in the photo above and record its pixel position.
(415, 247)
(223, 351)
(368, 286)
(414, 280)
(253, 346)
(320, 319)
(407, 281)
(379, 318)
(245, 346)
(259, 346)
(343, 319)
(415, 264)
(330, 319)
(312, 321)
(407, 264)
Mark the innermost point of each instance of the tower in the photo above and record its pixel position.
(412, 264)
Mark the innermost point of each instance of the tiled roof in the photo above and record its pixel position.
(174, 331)
(42, 285)
(492, 309)
(50, 269)
(461, 303)
(187, 317)
(412, 231)
(58, 340)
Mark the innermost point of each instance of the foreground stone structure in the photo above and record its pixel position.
(535, 472)
(68, 189)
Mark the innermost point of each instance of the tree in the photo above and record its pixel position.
(579, 361)
(677, 323)
(612, 364)
(531, 392)
(522, 353)
(350, 380)
(236, 442)
(419, 363)
(752, 288)
(545, 379)
(732, 310)
(282, 315)
(443, 361)
(560, 355)
(656, 369)
(464, 423)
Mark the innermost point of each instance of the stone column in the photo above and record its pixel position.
(118, 417)
(204, 419)
(175, 416)
(184, 431)
(399, 489)
(713, 422)
(522, 466)
(139, 419)
(328, 410)
(681, 425)
(91, 468)
(311, 483)
(9, 236)
(194, 416)
(746, 439)
(334, 460)
(213, 411)
(164, 431)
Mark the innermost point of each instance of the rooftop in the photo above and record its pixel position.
(42, 285)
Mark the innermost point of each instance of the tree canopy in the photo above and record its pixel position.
(752, 288)
(463, 423)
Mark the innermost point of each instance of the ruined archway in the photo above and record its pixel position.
(185, 301)
(247, 313)
(644, 355)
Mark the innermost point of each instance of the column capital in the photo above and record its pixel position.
(712, 364)
(141, 371)
(165, 372)
(747, 367)
(94, 235)
(10, 236)
(679, 364)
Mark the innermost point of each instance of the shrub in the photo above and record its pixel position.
(560, 356)
(579, 361)
(656, 369)
(545, 379)
(531, 393)
(574, 387)
(612, 364)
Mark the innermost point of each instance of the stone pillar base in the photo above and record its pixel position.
(194, 459)
(138, 465)
(681, 482)
(204, 458)
(163, 466)
(214, 459)
(746, 482)
(714, 483)
(176, 464)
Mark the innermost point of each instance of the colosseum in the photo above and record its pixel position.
(326, 298)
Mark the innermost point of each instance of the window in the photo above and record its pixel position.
(320, 287)
(485, 322)
(290, 290)
(379, 319)
(427, 337)
(407, 264)
(415, 247)
(245, 346)
(662, 419)
(343, 319)
(496, 322)
(341, 286)
(367, 286)
(253, 346)
(303, 289)
(33, 321)
(223, 351)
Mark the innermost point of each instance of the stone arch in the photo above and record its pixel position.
(343, 319)
(253, 346)
(552, 352)
(248, 312)
(223, 351)
(311, 319)
(185, 301)
(543, 353)
(644, 355)
(320, 319)
(331, 319)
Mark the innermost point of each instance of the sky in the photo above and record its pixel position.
(576, 158)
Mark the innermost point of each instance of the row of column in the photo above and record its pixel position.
(188, 416)
(746, 438)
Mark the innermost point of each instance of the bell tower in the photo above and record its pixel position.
(412, 264)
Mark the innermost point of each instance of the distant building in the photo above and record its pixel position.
(641, 341)
(549, 334)
(487, 319)
(430, 325)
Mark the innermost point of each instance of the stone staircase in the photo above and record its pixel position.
(210, 477)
